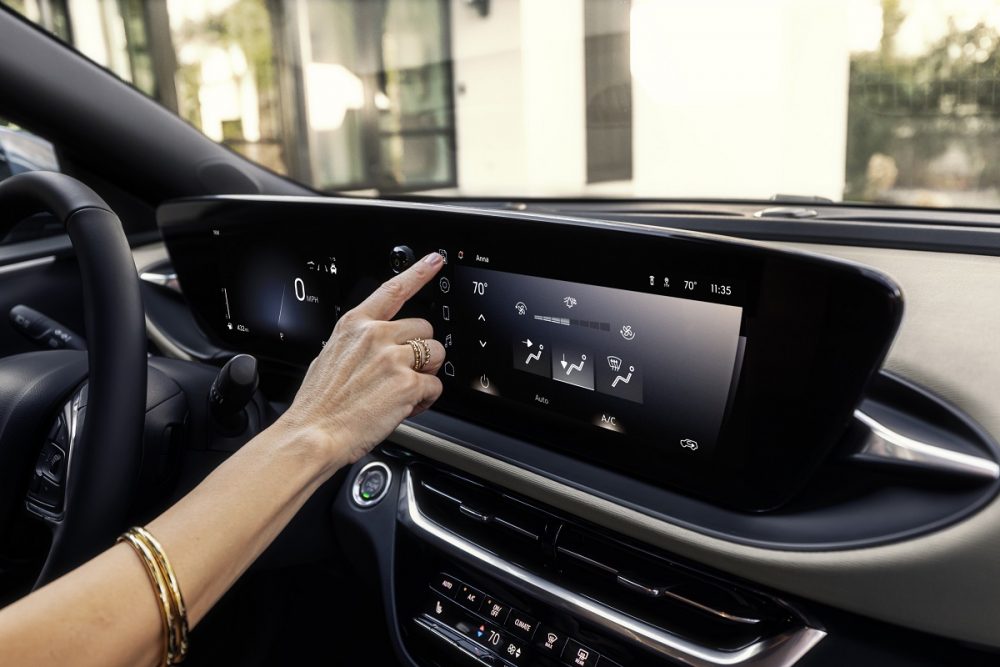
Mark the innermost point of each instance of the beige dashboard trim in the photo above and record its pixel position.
(946, 583)
(144, 257)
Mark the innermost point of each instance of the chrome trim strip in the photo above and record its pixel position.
(72, 413)
(71, 416)
(437, 630)
(711, 610)
(163, 342)
(154, 254)
(517, 529)
(661, 592)
(27, 264)
(779, 651)
(433, 489)
(166, 279)
(884, 444)
(592, 563)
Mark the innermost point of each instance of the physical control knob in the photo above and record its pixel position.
(401, 258)
(231, 390)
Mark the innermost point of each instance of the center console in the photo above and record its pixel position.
(483, 576)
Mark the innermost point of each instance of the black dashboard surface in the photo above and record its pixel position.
(710, 366)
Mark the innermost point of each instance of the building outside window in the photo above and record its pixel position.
(372, 83)
(608, 90)
(871, 100)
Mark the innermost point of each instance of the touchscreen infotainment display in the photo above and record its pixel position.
(658, 364)
(589, 351)
(659, 367)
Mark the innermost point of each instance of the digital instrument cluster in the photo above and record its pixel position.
(282, 300)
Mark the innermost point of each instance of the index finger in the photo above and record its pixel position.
(385, 302)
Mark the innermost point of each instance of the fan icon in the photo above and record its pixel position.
(520, 307)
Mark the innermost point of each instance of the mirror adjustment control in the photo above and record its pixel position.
(371, 484)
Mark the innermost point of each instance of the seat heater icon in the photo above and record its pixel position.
(569, 368)
(533, 357)
(615, 364)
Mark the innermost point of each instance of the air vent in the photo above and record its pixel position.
(902, 429)
(495, 520)
(647, 585)
(662, 592)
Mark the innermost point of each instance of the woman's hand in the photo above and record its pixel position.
(355, 393)
(362, 385)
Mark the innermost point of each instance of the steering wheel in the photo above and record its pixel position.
(104, 451)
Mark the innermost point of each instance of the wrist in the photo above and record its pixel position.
(321, 452)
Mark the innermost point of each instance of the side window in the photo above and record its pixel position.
(22, 151)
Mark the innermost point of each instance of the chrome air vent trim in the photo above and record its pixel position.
(882, 444)
(782, 650)
(27, 264)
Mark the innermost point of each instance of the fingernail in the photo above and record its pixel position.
(434, 258)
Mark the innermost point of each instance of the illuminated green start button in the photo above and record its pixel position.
(373, 484)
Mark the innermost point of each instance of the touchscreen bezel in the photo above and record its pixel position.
(816, 329)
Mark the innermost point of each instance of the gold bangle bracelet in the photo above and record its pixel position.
(159, 588)
(161, 575)
(180, 625)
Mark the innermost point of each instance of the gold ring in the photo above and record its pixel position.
(419, 361)
(427, 352)
(416, 353)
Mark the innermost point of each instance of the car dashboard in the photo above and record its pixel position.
(654, 446)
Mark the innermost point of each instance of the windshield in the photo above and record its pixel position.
(883, 101)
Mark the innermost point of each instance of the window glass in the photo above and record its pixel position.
(21, 151)
(881, 101)
(608, 91)
(226, 74)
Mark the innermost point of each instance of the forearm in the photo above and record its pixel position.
(105, 612)
(214, 533)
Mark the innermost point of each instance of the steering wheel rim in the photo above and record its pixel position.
(106, 457)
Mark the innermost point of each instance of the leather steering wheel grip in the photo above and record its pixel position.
(105, 461)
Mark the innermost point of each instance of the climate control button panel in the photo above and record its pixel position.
(511, 636)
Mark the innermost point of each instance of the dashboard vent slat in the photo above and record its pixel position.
(648, 586)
